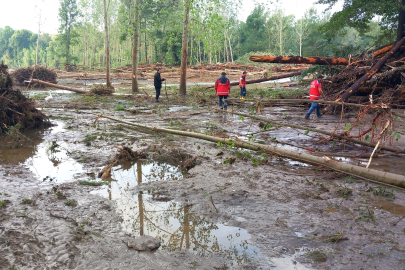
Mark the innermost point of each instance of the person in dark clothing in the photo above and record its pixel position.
(223, 89)
(157, 82)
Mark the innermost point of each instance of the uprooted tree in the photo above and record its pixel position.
(15, 109)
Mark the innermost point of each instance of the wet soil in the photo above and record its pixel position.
(257, 212)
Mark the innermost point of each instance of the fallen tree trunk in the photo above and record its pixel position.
(382, 177)
(318, 101)
(301, 101)
(349, 92)
(272, 78)
(396, 150)
(383, 50)
(314, 60)
(60, 86)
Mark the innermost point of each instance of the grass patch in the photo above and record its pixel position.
(89, 138)
(366, 214)
(334, 237)
(2, 203)
(120, 108)
(71, 202)
(26, 201)
(383, 191)
(317, 256)
(60, 195)
(344, 192)
(39, 96)
(352, 179)
(93, 183)
(59, 117)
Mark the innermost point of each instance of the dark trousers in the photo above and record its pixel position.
(243, 91)
(158, 92)
(225, 101)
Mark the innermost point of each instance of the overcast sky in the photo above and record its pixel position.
(24, 14)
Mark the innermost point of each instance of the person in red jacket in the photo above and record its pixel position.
(315, 92)
(242, 85)
(223, 89)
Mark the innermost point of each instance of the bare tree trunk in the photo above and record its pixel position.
(230, 48)
(191, 49)
(375, 175)
(300, 45)
(146, 51)
(199, 50)
(107, 45)
(183, 85)
(135, 88)
(281, 34)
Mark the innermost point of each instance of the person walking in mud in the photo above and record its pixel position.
(242, 85)
(223, 89)
(315, 92)
(157, 82)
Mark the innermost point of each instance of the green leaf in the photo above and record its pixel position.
(306, 132)
(368, 138)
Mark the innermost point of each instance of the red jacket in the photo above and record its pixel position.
(242, 81)
(223, 86)
(314, 90)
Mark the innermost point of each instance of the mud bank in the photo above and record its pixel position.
(234, 209)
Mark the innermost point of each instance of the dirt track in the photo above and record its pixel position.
(275, 213)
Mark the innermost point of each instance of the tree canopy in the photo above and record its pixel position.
(359, 13)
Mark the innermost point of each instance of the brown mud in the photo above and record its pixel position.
(232, 209)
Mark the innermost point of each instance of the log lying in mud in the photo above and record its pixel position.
(60, 86)
(382, 177)
(314, 60)
(310, 101)
(272, 78)
(391, 149)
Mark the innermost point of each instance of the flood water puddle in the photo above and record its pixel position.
(393, 208)
(153, 213)
(46, 159)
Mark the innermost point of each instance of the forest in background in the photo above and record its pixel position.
(215, 35)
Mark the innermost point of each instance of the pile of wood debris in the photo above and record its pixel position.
(374, 75)
(15, 109)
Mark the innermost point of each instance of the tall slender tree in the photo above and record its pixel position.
(135, 45)
(68, 15)
(184, 46)
(107, 43)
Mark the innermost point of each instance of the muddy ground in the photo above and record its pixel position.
(234, 209)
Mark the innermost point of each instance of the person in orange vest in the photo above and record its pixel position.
(242, 85)
(315, 92)
(223, 89)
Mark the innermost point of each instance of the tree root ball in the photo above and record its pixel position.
(37, 72)
(15, 108)
(101, 90)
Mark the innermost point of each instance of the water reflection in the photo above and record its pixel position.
(174, 224)
(40, 157)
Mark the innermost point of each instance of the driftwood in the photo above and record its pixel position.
(314, 60)
(272, 78)
(382, 177)
(60, 86)
(350, 91)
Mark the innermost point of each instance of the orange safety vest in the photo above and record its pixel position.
(314, 90)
